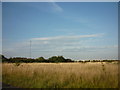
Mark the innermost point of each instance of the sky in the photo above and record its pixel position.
(75, 30)
(0, 28)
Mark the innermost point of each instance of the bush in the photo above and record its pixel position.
(17, 64)
(40, 59)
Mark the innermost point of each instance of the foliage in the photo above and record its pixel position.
(4, 59)
(53, 59)
(17, 64)
(57, 59)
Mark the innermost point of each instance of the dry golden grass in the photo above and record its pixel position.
(61, 75)
(0, 72)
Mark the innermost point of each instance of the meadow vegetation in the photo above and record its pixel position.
(61, 75)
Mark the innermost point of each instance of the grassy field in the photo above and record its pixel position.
(61, 75)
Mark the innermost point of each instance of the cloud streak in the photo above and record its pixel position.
(56, 7)
(68, 37)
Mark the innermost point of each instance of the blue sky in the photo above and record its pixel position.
(1, 28)
(74, 30)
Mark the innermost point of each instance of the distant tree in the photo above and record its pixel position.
(59, 59)
(3, 58)
(40, 59)
(53, 59)
(68, 60)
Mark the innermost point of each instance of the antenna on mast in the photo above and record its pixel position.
(30, 48)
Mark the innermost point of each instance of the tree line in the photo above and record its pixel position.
(53, 59)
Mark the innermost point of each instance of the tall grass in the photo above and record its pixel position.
(61, 75)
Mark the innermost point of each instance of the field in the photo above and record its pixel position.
(61, 75)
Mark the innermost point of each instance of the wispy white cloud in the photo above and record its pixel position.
(56, 7)
(89, 48)
(68, 37)
(49, 7)
(76, 47)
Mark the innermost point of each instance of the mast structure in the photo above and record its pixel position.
(30, 48)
